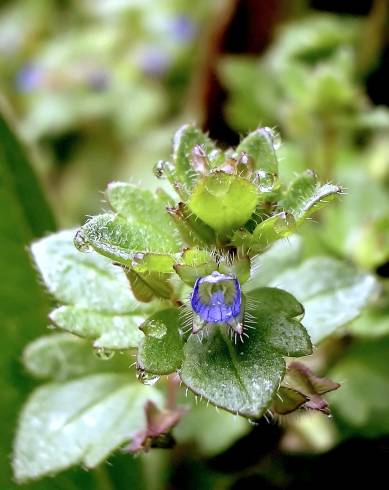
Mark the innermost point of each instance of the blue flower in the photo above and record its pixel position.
(29, 78)
(217, 299)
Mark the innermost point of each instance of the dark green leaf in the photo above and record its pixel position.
(239, 378)
(161, 349)
(242, 378)
(277, 315)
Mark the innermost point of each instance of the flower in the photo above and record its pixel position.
(217, 299)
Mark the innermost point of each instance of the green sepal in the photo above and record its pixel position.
(223, 201)
(184, 140)
(306, 195)
(146, 286)
(268, 231)
(240, 267)
(259, 146)
(193, 230)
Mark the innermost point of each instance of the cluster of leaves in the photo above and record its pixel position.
(129, 291)
(310, 83)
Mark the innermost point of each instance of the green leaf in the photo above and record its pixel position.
(242, 378)
(373, 323)
(267, 266)
(223, 201)
(333, 293)
(107, 329)
(125, 242)
(98, 300)
(138, 205)
(211, 431)
(363, 401)
(305, 196)
(24, 306)
(260, 147)
(271, 229)
(184, 140)
(277, 315)
(79, 421)
(63, 356)
(148, 285)
(161, 350)
(85, 279)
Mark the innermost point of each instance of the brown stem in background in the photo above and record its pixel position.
(238, 27)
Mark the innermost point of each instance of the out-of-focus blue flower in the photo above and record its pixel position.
(29, 78)
(154, 60)
(217, 299)
(98, 79)
(183, 29)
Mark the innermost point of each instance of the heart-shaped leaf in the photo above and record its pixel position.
(242, 378)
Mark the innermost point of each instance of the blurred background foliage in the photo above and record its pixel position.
(96, 89)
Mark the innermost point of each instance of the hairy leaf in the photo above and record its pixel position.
(98, 301)
(80, 421)
(126, 242)
(243, 377)
(161, 349)
(333, 293)
(305, 196)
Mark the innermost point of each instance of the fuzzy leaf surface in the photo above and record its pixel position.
(127, 242)
(79, 421)
(242, 378)
(333, 293)
(98, 301)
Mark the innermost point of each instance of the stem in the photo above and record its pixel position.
(103, 479)
(374, 35)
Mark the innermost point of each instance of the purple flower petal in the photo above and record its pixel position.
(217, 298)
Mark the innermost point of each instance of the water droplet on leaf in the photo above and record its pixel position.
(147, 378)
(104, 354)
(81, 243)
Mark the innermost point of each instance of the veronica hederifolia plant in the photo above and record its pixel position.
(198, 283)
